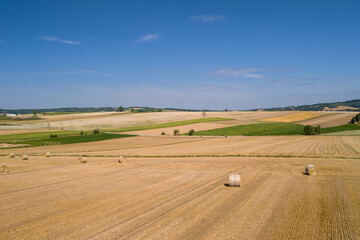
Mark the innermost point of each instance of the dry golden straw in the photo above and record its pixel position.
(234, 180)
(4, 169)
(311, 170)
(11, 155)
(24, 157)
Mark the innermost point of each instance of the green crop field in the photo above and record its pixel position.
(260, 129)
(63, 137)
(341, 128)
(4, 118)
(270, 129)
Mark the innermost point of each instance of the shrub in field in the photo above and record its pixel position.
(204, 113)
(53, 136)
(81, 132)
(121, 108)
(176, 132)
(309, 130)
(96, 131)
(355, 119)
(191, 132)
(163, 133)
(318, 130)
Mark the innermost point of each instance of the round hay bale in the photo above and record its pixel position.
(83, 159)
(47, 154)
(24, 157)
(4, 169)
(311, 170)
(234, 180)
(11, 155)
(122, 159)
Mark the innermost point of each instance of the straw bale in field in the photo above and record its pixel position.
(47, 154)
(122, 159)
(4, 169)
(311, 170)
(234, 180)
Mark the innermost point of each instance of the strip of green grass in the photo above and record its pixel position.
(36, 135)
(168, 124)
(67, 139)
(270, 129)
(261, 129)
(61, 113)
(341, 128)
(13, 119)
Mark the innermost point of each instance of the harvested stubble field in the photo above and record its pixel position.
(179, 198)
(106, 120)
(330, 120)
(316, 146)
(174, 188)
(294, 117)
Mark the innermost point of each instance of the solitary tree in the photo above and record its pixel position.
(163, 133)
(132, 109)
(191, 132)
(204, 113)
(226, 110)
(34, 112)
(121, 108)
(176, 132)
(318, 130)
(309, 130)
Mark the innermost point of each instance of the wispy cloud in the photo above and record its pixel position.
(77, 72)
(208, 18)
(55, 39)
(247, 72)
(149, 37)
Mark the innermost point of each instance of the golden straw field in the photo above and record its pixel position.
(295, 117)
(177, 187)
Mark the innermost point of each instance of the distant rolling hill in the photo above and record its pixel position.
(352, 105)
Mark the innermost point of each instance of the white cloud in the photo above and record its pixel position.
(149, 37)
(247, 72)
(76, 72)
(252, 75)
(208, 18)
(55, 39)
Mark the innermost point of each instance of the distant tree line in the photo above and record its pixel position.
(317, 107)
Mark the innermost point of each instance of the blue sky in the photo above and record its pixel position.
(185, 54)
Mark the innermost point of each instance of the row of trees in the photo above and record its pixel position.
(121, 109)
(177, 132)
(310, 130)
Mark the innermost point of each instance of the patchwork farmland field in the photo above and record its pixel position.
(176, 187)
(295, 117)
